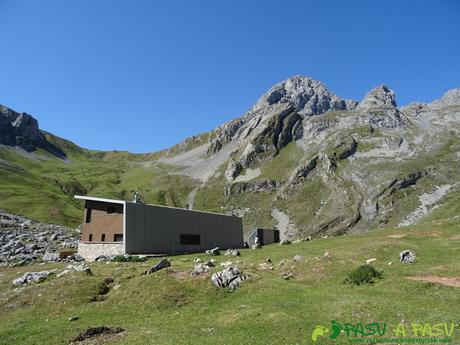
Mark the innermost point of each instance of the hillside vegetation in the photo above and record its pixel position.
(170, 307)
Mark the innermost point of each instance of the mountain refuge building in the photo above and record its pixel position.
(114, 227)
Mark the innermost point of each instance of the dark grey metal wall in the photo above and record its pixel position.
(154, 229)
(266, 236)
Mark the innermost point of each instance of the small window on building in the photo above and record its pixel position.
(189, 239)
(90, 237)
(118, 238)
(103, 238)
(111, 209)
(88, 215)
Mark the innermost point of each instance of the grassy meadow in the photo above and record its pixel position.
(170, 307)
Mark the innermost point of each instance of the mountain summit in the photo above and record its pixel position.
(306, 95)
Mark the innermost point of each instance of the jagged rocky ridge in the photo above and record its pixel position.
(312, 163)
(361, 164)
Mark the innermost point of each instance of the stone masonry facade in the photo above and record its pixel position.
(90, 251)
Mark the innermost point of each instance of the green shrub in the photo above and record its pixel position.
(365, 274)
(128, 258)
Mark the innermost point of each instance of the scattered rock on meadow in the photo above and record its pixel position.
(303, 239)
(76, 268)
(214, 251)
(103, 258)
(201, 268)
(226, 264)
(232, 252)
(286, 276)
(298, 258)
(230, 277)
(50, 256)
(285, 241)
(164, 263)
(282, 263)
(75, 257)
(33, 277)
(369, 261)
(407, 257)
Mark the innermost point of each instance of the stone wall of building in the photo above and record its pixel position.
(91, 251)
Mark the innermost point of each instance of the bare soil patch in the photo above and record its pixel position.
(180, 275)
(98, 335)
(447, 281)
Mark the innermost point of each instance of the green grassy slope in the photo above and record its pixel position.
(169, 307)
(43, 187)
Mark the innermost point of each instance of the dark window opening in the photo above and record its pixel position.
(90, 237)
(88, 215)
(103, 238)
(276, 236)
(111, 209)
(189, 239)
(118, 238)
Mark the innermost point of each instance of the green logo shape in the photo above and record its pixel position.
(319, 331)
(336, 328)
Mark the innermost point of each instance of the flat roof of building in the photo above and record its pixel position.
(115, 201)
(92, 198)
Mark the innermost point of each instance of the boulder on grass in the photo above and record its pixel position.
(230, 277)
(214, 251)
(33, 277)
(285, 241)
(164, 263)
(201, 268)
(232, 252)
(407, 257)
(298, 258)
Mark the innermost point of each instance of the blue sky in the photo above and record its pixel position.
(143, 75)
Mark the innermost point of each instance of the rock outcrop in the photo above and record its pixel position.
(163, 263)
(262, 186)
(21, 129)
(303, 171)
(33, 277)
(407, 257)
(230, 277)
(380, 96)
(234, 168)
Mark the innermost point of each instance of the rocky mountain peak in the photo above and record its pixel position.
(306, 95)
(379, 96)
